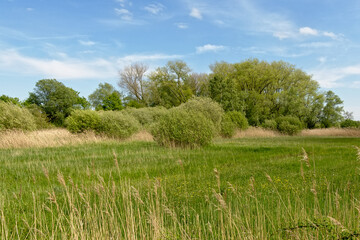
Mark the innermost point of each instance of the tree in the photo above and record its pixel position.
(12, 100)
(55, 99)
(332, 112)
(105, 97)
(265, 90)
(168, 85)
(132, 80)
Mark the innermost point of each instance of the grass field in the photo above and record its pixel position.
(248, 188)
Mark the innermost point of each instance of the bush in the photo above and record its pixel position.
(181, 128)
(15, 117)
(146, 116)
(209, 108)
(238, 119)
(348, 123)
(117, 124)
(82, 120)
(40, 118)
(270, 124)
(289, 125)
(228, 127)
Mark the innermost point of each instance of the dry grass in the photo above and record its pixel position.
(45, 138)
(143, 136)
(57, 137)
(332, 132)
(256, 132)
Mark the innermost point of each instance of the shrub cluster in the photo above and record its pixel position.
(182, 128)
(207, 107)
(82, 120)
(228, 127)
(109, 123)
(117, 124)
(146, 116)
(289, 125)
(348, 123)
(14, 117)
(270, 124)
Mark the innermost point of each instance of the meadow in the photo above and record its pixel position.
(273, 187)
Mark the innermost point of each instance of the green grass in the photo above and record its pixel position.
(139, 190)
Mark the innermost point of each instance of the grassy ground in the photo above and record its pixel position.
(248, 188)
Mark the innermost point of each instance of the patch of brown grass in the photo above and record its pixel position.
(332, 132)
(144, 136)
(45, 138)
(58, 137)
(256, 132)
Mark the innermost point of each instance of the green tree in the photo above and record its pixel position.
(332, 111)
(56, 100)
(105, 97)
(13, 100)
(168, 85)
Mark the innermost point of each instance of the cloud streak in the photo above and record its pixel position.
(209, 48)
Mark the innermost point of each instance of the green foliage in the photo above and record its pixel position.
(348, 123)
(289, 125)
(265, 90)
(147, 116)
(117, 124)
(270, 124)
(209, 108)
(40, 118)
(55, 99)
(228, 127)
(105, 97)
(15, 117)
(181, 128)
(168, 85)
(238, 119)
(12, 100)
(82, 120)
(332, 112)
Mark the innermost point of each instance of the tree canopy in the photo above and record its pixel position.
(56, 100)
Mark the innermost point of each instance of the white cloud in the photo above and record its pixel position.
(196, 13)
(87, 43)
(29, 9)
(125, 14)
(209, 48)
(331, 77)
(67, 68)
(145, 58)
(316, 45)
(308, 31)
(182, 25)
(154, 8)
(121, 2)
(322, 60)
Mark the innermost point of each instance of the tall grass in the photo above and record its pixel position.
(112, 207)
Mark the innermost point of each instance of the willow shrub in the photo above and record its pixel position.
(148, 115)
(14, 117)
(117, 124)
(238, 119)
(206, 106)
(228, 127)
(289, 125)
(82, 120)
(181, 128)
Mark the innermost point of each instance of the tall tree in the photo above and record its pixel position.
(105, 97)
(55, 99)
(132, 80)
(168, 85)
(333, 109)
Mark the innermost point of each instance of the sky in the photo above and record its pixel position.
(84, 43)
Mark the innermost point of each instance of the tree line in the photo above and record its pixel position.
(262, 91)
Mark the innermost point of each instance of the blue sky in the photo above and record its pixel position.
(84, 43)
